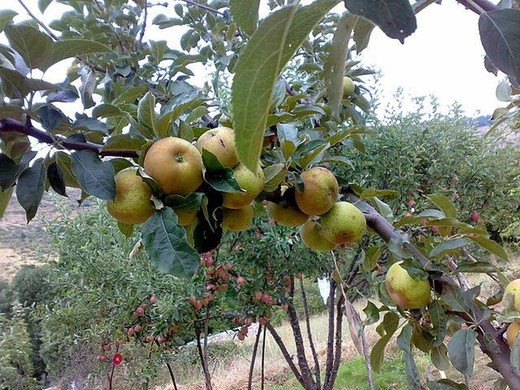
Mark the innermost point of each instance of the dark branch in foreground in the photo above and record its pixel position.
(489, 337)
(8, 125)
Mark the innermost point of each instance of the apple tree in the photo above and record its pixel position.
(281, 105)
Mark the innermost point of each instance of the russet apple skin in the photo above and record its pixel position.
(132, 204)
(320, 191)
(238, 220)
(513, 329)
(313, 239)
(344, 223)
(220, 142)
(286, 215)
(512, 292)
(175, 164)
(251, 182)
(406, 292)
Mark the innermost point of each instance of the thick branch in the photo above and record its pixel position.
(490, 339)
(253, 358)
(8, 125)
(478, 6)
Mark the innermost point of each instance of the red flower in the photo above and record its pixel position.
(117, 359)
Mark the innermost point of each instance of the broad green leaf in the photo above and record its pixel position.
(56, 179)
(5, 196)
(439, 356)
(404, 341)
(395, 17)
(372, 313)
(499, 35)
(43, 4)
(362, 33)
(372, 255)
(17, 86)
(445, 384)
(88, 85)
(220, 178)
(389, 326)
(189, 202)
(164, 122)
(445, 204)
(146, 112)
(384, 210)
(476, 267)
(439, 322)
(335, 65)
(10, 170)
(124, 141)
(448, 246)
(245, 13)
(490, 245)
(313, 155)
(96, 177)
(106, 111)
(167, 245)
(6, 16)
(454, 297)
(64, 162)
(30, 187)
(255, 75)
(33, 45)
(68, 48)
(274, 176)
(130, 95)
(461, 350)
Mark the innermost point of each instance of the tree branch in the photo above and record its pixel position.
(309, 335)
(204, 6)
(253, 358)
(40, 23)
(8, 125)
(478, 6)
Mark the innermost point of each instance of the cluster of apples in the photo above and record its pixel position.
(177, 167)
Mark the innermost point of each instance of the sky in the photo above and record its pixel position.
(443, 58)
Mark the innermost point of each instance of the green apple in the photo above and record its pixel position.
(132, 204)
(251, 183)
(286, 215)
(221, 142)
(237, 220)
(511, 298)
(343, 223)
(313, 238)
(348, 87)
(405, 291)
(320, 191)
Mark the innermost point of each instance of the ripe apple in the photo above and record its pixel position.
(132, 204)
(343, 224)
(348, 87)
(286, 215)
(221, 142)
(251, 182)
(175, 164)
(313, 238)
(320, 191)
(511, 298)
(512, 332)
(405, 291)
(237, 220)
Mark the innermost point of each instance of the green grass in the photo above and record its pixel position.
(352, 376)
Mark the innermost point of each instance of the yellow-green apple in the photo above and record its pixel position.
(286, 215)
(343, 223)
(348, 87)
(251, 183)
(320, 191)
(237, 220)
(313, 238)
(175, 164)
(511, 298)
(132, 204)
(405, 291)
(221, 142)
(512, 332)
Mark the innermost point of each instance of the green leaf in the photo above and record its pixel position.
(476, 267)
(167, 245)
(499, 35)
(68, 48)
(439, 323)
(30, 187)
(461, 350)
(445, 204)
(10, 170)
(127, 230)
(245, 13)
(191, 202)
(395, 17)
(449, 246)
(439, 356)
(335, 65)
(130, 95)
(490, 245)
(5, 196)
(362, 33)
(384, 210)
(166, 119)
(56, 179)
(404, 341)
(255, 75)
(6, 16)
(124, 141)
(389, 326)
(274, 176)
(372, 313)
(220, 178)
(96, 177)
(33, 45)
(146, 112)
(87, 87)
(17, 86)
(43, 4)
(445, 384)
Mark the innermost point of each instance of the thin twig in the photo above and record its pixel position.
(40, 23)
(143, 26)
(172, 377)
(204, 6)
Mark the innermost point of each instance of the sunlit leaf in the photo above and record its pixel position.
(96, 177)
(245, 13)
(5, 197)
(404, 341)
(489, 245)
(448, 246)
(445, 204)
(461, 350)
(33, 45)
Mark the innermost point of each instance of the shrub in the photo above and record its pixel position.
(7, 296)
